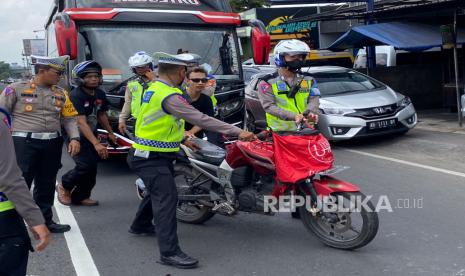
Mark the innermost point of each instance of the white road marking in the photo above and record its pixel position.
(80, 254)
(413, 164)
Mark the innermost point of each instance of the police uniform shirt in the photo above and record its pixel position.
(89, 105)
(39, 109)
(12, 183)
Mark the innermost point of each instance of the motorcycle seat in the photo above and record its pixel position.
(208, 152)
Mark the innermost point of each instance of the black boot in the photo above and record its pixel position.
(179, 260)
(54, 227)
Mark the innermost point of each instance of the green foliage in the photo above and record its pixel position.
(243, 5)
(4, 70)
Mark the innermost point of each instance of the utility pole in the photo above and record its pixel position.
(456, 65)
(371, 50)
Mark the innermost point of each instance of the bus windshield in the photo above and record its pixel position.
(112, 46)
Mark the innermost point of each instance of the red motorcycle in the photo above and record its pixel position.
(255, 177)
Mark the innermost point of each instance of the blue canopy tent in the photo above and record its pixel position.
(402, 35)
(407, 36)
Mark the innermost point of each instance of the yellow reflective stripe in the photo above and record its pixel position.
(6, 205)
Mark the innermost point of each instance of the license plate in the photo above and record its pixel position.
(382, 124)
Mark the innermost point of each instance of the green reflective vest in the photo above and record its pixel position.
(5, 204)
(296, 105)
(157, 130)
(136, 90)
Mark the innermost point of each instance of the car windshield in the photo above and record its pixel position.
(340, 82)
(112, 46)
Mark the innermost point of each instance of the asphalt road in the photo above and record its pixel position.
(425, 240)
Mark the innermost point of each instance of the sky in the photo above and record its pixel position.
(18, 20)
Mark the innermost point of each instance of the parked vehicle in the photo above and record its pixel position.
(250, 70)
(245, 176)
(351, 104)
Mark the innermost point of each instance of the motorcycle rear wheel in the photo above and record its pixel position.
(333, 234)
(190, 212)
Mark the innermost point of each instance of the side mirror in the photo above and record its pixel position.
(261, 42)
(66, 35)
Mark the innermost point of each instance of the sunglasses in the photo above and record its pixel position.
(199, 80)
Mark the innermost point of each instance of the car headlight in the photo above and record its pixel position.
(229, 107)
(337, 111)
(404, 102)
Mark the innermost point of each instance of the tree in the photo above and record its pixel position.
(243, 5)
(4, 70)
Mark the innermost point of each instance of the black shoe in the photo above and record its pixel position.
(54, 227)
(179, 260)
(150, 230)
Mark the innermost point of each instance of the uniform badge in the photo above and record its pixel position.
(282, 86)
(28, 91)
(147, 96)
(29, 100)
(28, 108)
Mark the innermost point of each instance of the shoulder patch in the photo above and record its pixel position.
(315, 92)
(265, 87)
(281, 86)
(147, 96)
(9, 91)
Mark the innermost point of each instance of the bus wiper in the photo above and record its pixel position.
(225, 56)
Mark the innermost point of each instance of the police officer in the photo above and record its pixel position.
(287, 94)
(92, 105)
(142, 66)
(159, 132)
(39, 107)
(16, 204)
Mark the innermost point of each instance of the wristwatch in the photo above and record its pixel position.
(76, 138)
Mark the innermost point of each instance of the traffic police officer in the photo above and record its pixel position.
(142, 66)
(39, 107)
(16, 204)
(159, 132)
(287, 94)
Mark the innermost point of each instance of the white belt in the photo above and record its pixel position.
(40, 136)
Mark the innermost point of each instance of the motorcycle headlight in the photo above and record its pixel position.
(337, 111)
(404, 102)
(229, 107)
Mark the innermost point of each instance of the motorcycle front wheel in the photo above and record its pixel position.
(347, 226)
(192, 212)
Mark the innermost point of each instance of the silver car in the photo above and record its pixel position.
(352, 105)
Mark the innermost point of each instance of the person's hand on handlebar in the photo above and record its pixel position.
(247, 136)
(312, 117)
(298, 118)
